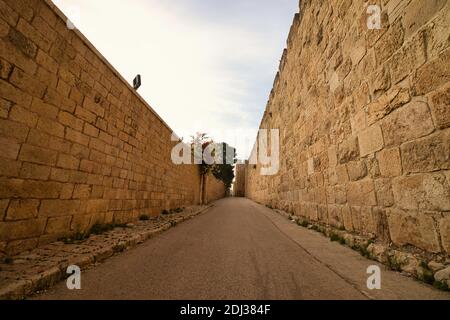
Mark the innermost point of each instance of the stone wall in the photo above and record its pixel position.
(215, 189)
(239, 182)
(364, 122)
(79, 145)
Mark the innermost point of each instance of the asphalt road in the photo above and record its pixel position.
(238, 250)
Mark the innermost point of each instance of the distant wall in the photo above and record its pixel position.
(364, 122)
(79, 145)
(239, 182)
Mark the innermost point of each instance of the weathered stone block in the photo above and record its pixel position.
(34, 172)
(21, 229)
(9, 168)
(439, 104)
(58, 225)
(383, 190)
(67, 191)
(348, 150)
(406, 60)
(410, 122)
(97, 205)
(11, 93)
(80, 223)
(90, 130)
(25, 45)
(85, 114)
(356, 218)
(37, 155)
(385, 104)
(77, 137)
(380, 224)
(5, 69)
(332, 157)
(367, 225)
(361, 193)
(55, 208)
(341, 173)
(24, 116)
(437, 33)
(3, 206)
(10, 148)
(380, 82)
(68, 162)
(419, 12)
(361, 96)
(71, 121)
(27, 83)
(44, 109)
(334, 216)
(82, 191)
(347, 218)
(51, 127)
(22, 209)
(413, 228)
(46, 61)
(432, 75)
(389, 162)
(40, 189)
(427, 154)
(5, 106)
(358, 122)
(370, 140)
(389, 43)
(356, 170)
(422, 192)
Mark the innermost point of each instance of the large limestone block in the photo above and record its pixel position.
(419, 12)
(440, 105)
(361, 193)
(432, 75)
(427, 154)
(370, 140)
(413, 228)
(429, 191)
(22, 229)
(407, 123)
(389, 162)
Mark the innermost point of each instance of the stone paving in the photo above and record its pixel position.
(43, 267)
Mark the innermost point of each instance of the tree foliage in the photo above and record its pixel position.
(223, 169)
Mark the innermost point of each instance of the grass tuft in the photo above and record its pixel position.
(337, 238)
(441, 285)
(394, 264)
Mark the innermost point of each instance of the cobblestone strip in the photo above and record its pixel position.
(43, 267)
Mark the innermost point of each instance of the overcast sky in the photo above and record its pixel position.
(206, 65)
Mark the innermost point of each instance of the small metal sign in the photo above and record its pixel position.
(137, 82)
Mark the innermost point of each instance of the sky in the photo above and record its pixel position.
(206, 65)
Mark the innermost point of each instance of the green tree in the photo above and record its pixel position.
(224, 170)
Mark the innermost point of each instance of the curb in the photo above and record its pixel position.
(408, 264)
(50, 275)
